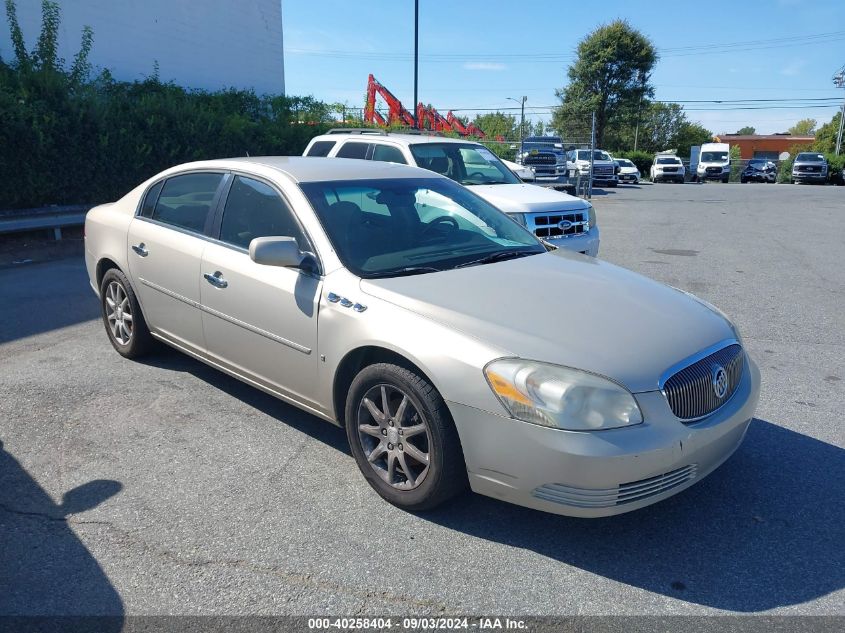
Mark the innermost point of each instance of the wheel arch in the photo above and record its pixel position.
(104, 264)
(357, 359)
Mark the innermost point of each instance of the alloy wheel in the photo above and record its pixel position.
(394, 436)
(119, 313)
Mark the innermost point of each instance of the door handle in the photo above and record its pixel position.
(216, 279)
(141, 249)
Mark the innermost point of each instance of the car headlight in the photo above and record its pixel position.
(561, 397)
(591, 217)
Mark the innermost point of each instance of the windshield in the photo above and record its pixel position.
(624, 162)
(468, 164)
(714, 157)
(809, 158)
(584, 154)
(392, 227)
(668, 160)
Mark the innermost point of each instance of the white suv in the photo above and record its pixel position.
(563, 220)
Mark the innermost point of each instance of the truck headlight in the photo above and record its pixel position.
(561, 397)
(591, 217)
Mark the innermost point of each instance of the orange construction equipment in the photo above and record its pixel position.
(428, 117)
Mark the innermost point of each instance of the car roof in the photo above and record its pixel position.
(314, 169)
(401, 139)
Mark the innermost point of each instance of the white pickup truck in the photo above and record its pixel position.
(556, 217)
(603, 165)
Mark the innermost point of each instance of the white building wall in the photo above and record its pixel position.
(207, 44)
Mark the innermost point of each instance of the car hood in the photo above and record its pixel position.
(528, 198)
(567, 309)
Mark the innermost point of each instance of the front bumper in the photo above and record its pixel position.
(809, 176)
(549, 171)
(585, 243)
(675, 176)
(719, 175)
(628, 177)
(593, 474)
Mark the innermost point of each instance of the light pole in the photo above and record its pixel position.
(839, 82)
(521, 103)
(416, 59)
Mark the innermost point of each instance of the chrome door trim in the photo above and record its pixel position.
(226, 317)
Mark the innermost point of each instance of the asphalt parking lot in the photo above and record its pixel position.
(165, 486)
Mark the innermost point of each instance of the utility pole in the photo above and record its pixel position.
(521, 103)
(416, 60)
(839, 82)
(592, 155)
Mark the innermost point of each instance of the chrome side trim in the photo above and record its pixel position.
(226, 317)
(257, 330)
(170, 293)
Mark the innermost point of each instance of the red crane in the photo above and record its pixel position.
(396, 112)
(428, 117)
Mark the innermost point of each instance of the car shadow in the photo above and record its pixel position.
(763, 531)
(168, 358)
(45, 570)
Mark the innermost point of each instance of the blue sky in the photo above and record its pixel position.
(477, 54)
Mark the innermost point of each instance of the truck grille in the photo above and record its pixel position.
(808, 168)
(539, 159)
(624, 493)
(691, 393)
(601, 169)
(549, 226)
(713, 170)
(670, 170)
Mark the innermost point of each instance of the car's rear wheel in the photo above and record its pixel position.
(403, 437)
(122, 316)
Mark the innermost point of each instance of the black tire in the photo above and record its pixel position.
(742, 180)
(139, 340)
(446, 474)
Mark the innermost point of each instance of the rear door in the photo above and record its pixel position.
(166, 242)
(260, 321)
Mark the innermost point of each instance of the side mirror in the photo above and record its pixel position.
(279, 251)
(558, 145)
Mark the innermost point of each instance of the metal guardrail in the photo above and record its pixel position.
(55, 218)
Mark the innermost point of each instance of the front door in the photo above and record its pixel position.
(260, 321)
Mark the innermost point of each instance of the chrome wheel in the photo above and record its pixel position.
(394, 436)
(119, 313)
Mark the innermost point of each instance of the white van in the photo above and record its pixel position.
(714, 162)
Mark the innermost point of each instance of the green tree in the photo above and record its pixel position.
(691, 134)
(826, 135)
(498, 124)
(804, 127)
(610, 78)
(539, 128)
(662, 126)
(746, 131)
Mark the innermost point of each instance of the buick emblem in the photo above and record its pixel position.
(564, 224)
(720, 381)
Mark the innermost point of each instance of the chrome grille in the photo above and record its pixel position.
(602, 169)
(690, 391)
(548, 225)
(539, 159)
(624, 493)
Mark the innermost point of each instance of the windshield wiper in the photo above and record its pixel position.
(403, 272)
(498, 256)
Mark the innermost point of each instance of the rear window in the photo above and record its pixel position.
(320, 148)
(388, 154)
(185, 200)
(353, 149)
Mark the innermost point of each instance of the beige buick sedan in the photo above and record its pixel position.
(454, 347)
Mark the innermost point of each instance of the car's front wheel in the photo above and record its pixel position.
(122, 316)
(403, 437)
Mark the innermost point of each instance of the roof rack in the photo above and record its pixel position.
(357, 130)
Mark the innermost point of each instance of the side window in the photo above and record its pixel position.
(150, 200)
(186, 200)
(254, 209)
(353, 149)
(321, 148)
(388, 154)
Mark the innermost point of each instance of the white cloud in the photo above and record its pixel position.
(484, 66)
(792, 68)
